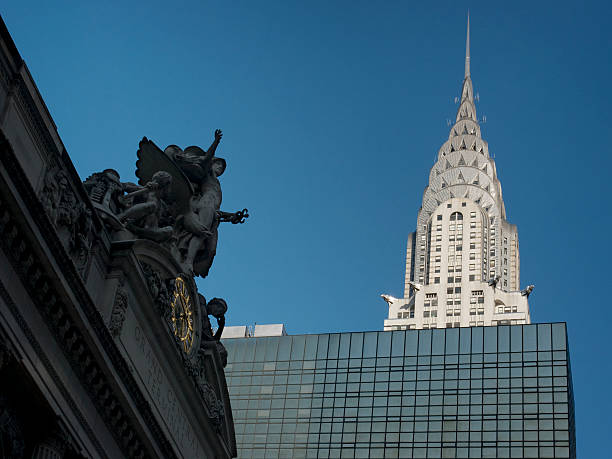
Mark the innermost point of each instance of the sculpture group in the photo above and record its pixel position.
(177, 202)
(177, 205)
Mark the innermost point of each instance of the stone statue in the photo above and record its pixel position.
(144, 207)
(217, 307)
(193, 201)
(105, 188)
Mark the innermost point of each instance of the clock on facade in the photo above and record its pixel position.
(182, 314)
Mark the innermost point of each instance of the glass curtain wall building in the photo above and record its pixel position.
(475, 392)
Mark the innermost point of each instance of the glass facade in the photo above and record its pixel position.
(473, 392)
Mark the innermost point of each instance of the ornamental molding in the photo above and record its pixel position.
(22, 249)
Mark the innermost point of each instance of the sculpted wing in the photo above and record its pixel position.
(152, 159)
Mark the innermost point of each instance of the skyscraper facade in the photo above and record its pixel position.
(472, 392)
(462, 262)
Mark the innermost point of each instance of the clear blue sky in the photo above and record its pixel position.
(332, 114)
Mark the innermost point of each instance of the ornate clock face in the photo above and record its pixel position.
(182, 314)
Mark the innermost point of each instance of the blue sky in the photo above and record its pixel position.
(333, 113)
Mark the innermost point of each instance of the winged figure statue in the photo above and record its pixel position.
(192, 199)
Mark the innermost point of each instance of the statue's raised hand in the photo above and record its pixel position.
(218, 135)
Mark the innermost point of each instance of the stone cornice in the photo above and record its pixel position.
(65, 319)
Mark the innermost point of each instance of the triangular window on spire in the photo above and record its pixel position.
(461, 161)
(437, 172)
(484, 169)
(465, 131)
(462, 146)
(455, 133)
(460, 177)
(452, 148)
(473, 148)
(475, 162)
(486, 187)
(477, 201)
(452, 195)
(476, 180)
(447, 165)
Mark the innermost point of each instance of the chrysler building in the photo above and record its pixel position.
(462, 262)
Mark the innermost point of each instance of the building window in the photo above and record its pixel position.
(438, 217)
(451, 280)
(457, 289)
(473, 214)
(472, 246)
(472, 277)
(456, 216)
(448, 205)
(472, 224)
(463, 204)
(436, 280)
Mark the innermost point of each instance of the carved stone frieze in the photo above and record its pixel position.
(16, 240)
(71, 217)
(160, 290)
(118, 312)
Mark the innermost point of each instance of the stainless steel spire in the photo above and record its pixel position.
(467, 49)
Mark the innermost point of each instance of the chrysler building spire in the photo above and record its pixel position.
(467, 49)
(462, 262)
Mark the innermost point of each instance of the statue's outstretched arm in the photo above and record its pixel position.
(213, 147)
